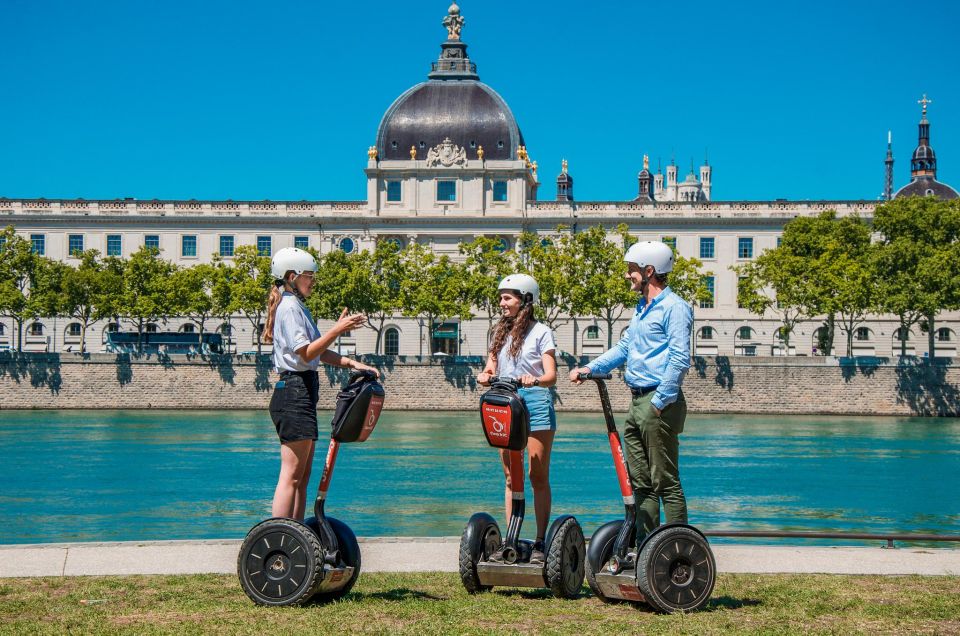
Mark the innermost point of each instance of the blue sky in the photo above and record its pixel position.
(255, 100)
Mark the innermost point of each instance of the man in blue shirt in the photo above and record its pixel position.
(656, 350)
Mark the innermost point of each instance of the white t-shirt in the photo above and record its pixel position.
(539, 340)
(293, 327)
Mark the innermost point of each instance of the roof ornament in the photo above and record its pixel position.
(563, 166)
(646, 162)
(480, 153)
(413, 153)
(923, 102)
(446, 154)
(372, 153)
(453, 22)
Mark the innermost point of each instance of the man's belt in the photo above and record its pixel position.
(640, 392)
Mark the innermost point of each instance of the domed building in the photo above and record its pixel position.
(923, 166)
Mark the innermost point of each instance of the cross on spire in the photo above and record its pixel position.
(923, 102)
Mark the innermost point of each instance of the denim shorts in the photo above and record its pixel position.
(539, 401)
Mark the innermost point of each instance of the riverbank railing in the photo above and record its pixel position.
(889, 538)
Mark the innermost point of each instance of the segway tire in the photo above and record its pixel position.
(480, 539)
(599, 553)
(676, 569)
(280, 563)
(565, 557)
(349, 556)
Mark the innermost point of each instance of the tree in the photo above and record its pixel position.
(600, 287)
(382, 272)
(86, 293)
(192, 289)
(250, 281)
(917, 261)
(432, 288)
(553, 264)
(778, 282)
(146, 292)
(18, 274)
(485, 265)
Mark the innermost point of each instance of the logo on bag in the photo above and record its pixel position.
(495, 419)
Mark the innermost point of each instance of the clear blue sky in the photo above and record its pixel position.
(255, 100)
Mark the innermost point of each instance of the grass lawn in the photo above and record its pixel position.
(436, 603)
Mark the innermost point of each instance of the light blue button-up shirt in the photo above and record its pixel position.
(656, 347)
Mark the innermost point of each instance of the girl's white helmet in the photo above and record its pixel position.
(654, 253)
(523, 285)
(291, 259)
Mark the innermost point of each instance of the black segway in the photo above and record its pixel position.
(506, 425)
(673, 568)
(288, 562)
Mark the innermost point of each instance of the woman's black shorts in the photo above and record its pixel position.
(293, 406)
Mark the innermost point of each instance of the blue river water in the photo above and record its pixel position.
(148, 475)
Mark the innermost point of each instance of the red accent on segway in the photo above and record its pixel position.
(358, 407)
(516, 475)
(623, 478)
(506, 422)
(328, 468)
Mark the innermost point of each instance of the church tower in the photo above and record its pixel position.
(923, 165)
(706, 173)
(564, 183)
(888, 164)
(645, 182)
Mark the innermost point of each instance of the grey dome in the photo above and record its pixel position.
(925, 186)
(923, 152)
(467, 111)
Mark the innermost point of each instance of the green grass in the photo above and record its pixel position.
(435, 603)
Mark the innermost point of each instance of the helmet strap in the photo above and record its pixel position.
(289, 286)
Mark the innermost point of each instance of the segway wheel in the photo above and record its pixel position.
(676, 569)
(601, 549)
(480, 539)
(349, 556)
(565, 556)
(280, 563)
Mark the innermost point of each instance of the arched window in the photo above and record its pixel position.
(74, 329)
(226, 330)
(36, 329)
(901, 334)
(745, 333)
(502, 245)
(944, 335)
(592, 333)
(188, 328)
(391, 342)
(706, 333)
(862, 334)
(151, 328)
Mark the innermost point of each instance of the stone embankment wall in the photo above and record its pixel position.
(714, 385)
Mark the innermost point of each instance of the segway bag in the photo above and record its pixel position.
(358, 408)
(506, 422)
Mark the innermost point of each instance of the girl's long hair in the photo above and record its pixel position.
(273, 301)
(517, 327)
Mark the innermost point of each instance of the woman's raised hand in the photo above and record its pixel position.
(348, 322)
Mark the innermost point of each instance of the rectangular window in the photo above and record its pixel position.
(152, 241)
(74, 244)
(779, 241)
(446, 191)
(671, 241)
(114, 245)
(264, 246)
(301, 242)
(745, 247)
(226, 245)
(188, 246)
(38, 244)
(709, 282)
(3, 243)
(499, 190)
(394, 191)
(708, 247)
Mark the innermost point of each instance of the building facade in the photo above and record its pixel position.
(449, 164)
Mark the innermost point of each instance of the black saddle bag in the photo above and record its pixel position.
(506, 421)
(358, 408)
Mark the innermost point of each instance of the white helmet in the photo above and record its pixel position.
(291, 259)
(523, 284)
(654, 253)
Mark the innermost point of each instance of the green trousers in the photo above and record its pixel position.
(653, 449)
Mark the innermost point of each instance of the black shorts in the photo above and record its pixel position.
(293, 406)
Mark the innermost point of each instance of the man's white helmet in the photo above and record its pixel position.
(654, 253)
(291, 259)
(523, 284)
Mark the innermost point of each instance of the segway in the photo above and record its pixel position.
(673, 568)
(506, 425)
(288, 562)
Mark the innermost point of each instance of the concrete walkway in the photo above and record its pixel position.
(406, 554)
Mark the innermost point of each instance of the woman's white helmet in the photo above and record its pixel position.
(654, 253)
(523, 285)
(292, 259)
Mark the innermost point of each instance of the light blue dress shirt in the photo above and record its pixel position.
(656, 347)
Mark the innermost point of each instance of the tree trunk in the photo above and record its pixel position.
(19, 335)
(931, 338)
(83, 337)
(904, 330)
(849, 341)
(831, 332)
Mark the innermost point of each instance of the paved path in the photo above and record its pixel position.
(402, 554)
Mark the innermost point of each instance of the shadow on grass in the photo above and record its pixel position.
(728, 603)
(398, 594)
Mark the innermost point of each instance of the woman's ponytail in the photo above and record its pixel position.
(273, 301)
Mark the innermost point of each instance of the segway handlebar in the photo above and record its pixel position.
(595, 376)
(514, 381)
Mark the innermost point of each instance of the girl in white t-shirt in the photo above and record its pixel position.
(523, 349)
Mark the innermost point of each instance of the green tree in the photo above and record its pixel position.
(554, 264)
(250, 281)
(86, 293)
(777, 281)
(599, 284)
(917, 261)
(485, 265)
(192, 290)
(382, 272)
(146, 292)
(432, 289)
(19, 272)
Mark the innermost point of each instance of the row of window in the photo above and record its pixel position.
(188, 244)
(446, 191)
(708, 247)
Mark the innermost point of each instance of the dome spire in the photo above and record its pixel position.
(454, 64)
(924, 160)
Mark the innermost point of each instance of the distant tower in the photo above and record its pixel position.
(706, 173)
(888, 163)
(924, 161)
(564, 183)
(658, 182)
(645, 182)
(671, 186)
